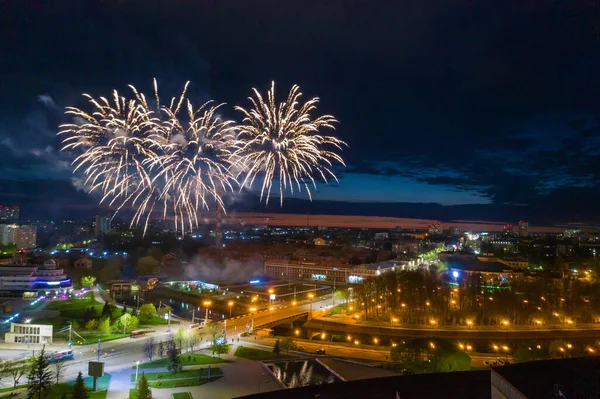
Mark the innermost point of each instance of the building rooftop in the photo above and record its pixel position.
(471, 263)
(351, 371)
(574, 378)
(457, 385)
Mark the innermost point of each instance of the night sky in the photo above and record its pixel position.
(452, 109)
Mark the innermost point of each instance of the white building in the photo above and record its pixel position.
(31, 281)
(29, 333)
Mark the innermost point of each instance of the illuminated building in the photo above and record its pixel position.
(30, 281)
(523, 229)
(102, 226)
(9, 212)
(296, 270)
(24, 237)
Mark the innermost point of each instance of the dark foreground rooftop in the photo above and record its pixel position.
(460, 385)
(572, 378)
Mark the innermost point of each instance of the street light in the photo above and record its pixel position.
(433, 322)
(137, 365)
(310, 296)
(505, 322)
(376, 341)
(470, 323)
(230, 307)
(252, 310)
(297, 332)
(206, 305)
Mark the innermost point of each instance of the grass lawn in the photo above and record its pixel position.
(165, 375)
(153, 321)
(73, 307)
(185, 361)
(338, 309)
(92, 336)
(181, 395)
(188, 382)
(8, 389)
(257, 354)
(89, 383)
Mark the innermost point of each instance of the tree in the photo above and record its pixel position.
(126, 323)
(103, 326)
(148, 310)
(88, 281)
(286, 344)
(174, 363)
(144, 391)
(193, 338)
(181, 337)
(145, 266)
(39, 377)
(276, 348)
(149, 348)
(58, 370)
(455, 361)
(106, 310)
(161, 349)
(163, 310)
(91, 325)
(79, 389)
(16, 372)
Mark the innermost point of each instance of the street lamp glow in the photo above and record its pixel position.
(270, 290)
(469, 347)
(323, 335)
(569, 346)
(590, 350)
(495, 347)
(505, 322)
(297, 332)
(350, 308)
(253, 310)
(432, 345)
(271, 308)
(230, 303)
(469, 323)
(293, 303)
(349, 338)
(427, 303)
(356, 342)
(538, 322)
(394, 345)
(403, 305)
(207, 303)
(569, 321)
(505, 347)
(395, 320)
(461, 346)
(432, 321)
(311, 295)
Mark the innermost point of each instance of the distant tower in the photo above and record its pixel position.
(523, 229)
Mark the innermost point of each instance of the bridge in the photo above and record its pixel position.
(275, 321)
(321, 324)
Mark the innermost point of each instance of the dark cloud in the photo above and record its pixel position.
(492, 99)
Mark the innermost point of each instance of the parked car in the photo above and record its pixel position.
(320, 351)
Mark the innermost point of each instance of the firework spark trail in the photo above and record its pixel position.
(282, 141)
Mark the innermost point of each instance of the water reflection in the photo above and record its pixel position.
(302, 373)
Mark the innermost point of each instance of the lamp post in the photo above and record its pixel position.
(252, 310)
(206, 305)
(137, 365)
(271, 296)
(230, 307)
(310, 296)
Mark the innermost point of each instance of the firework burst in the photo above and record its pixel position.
(195, 163)
(282, 141)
